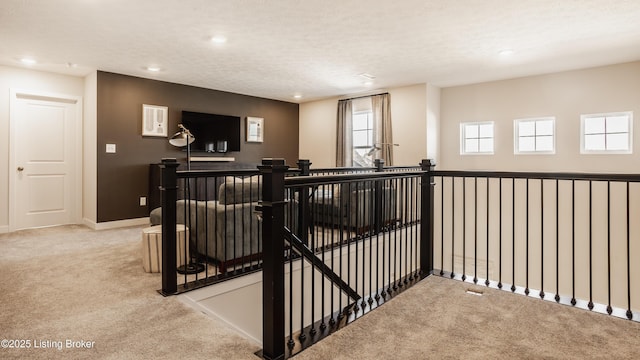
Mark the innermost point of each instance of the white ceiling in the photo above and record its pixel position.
(278, 48)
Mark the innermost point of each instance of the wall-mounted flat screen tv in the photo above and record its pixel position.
(212, 132)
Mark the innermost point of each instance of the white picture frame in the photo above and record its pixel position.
(255, 129)
(154, 120)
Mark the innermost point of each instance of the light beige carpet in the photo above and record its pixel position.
(78, 284)
(73, 283)
(438, 319)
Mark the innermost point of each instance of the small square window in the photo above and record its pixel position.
(476, 138)
(606, 133)
(534, 136)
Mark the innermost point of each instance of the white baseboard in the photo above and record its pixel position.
(4, 229)
(116, 224)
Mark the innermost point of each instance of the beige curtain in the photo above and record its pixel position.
(381, 106)
(344, 143)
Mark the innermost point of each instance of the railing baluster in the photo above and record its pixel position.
(408, 250)
(609, 308)
(332, 216)
(407, 207)
(290, 343)
(486, 281)
(513, 234)
(629, 312)
(475, 227)
(313, 247)
(526, 216)
(557, 297)
(396, 216)
(359, 236)
(442, 225)
(341, 229)
(573, 242)
(453, 225)
(541, 238)
(323, 249)
(590, 305)
(376, 219)
(500, 234)
(464, 228)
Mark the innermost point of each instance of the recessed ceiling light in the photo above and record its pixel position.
(367, 76)
(297, 96)
(218, 39)
(368, 83)
(506, 52)
(153, 68)
(28, 61)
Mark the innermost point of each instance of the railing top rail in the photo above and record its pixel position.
(213, 173)
(291, 171)
(342, 178)
(400, 167)
(540, 175)
(342, 169)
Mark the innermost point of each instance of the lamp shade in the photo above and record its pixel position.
(182, 137)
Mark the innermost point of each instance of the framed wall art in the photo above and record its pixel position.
(154, 120)
(255, 129)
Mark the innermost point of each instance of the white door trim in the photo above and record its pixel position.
(20, 94)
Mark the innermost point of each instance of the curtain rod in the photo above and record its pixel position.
(364, 96)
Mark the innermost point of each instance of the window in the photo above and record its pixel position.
(476, 138)
(534, 136)
(363, 138)
(606, 133)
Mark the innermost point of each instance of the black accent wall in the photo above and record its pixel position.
(123, 177)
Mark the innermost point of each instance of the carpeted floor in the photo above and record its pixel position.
(73, 283)
(438, 319)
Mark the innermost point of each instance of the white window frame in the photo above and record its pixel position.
(517, 136)
(583, 118)
(463, 137)
(372, 130)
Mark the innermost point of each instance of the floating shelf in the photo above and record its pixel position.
(212, 158)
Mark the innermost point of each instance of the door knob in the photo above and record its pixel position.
(20, 168)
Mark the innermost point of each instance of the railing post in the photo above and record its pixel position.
(169, 191)
(305, 167)
(304, 210)
(379, 165)
(426, 221)
(377, 205)
(272, 206)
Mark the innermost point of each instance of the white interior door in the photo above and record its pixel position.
(45, 150)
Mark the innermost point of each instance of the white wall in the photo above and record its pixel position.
(410, 113)
(317, 137)
(409, 121)
(26, 80)
(433, 123)
(564, 95)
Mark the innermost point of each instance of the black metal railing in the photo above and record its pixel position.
(335, 244)
(223, 229)
(359, 239)
(564, 237)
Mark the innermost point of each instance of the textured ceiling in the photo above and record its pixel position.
(278, 48)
